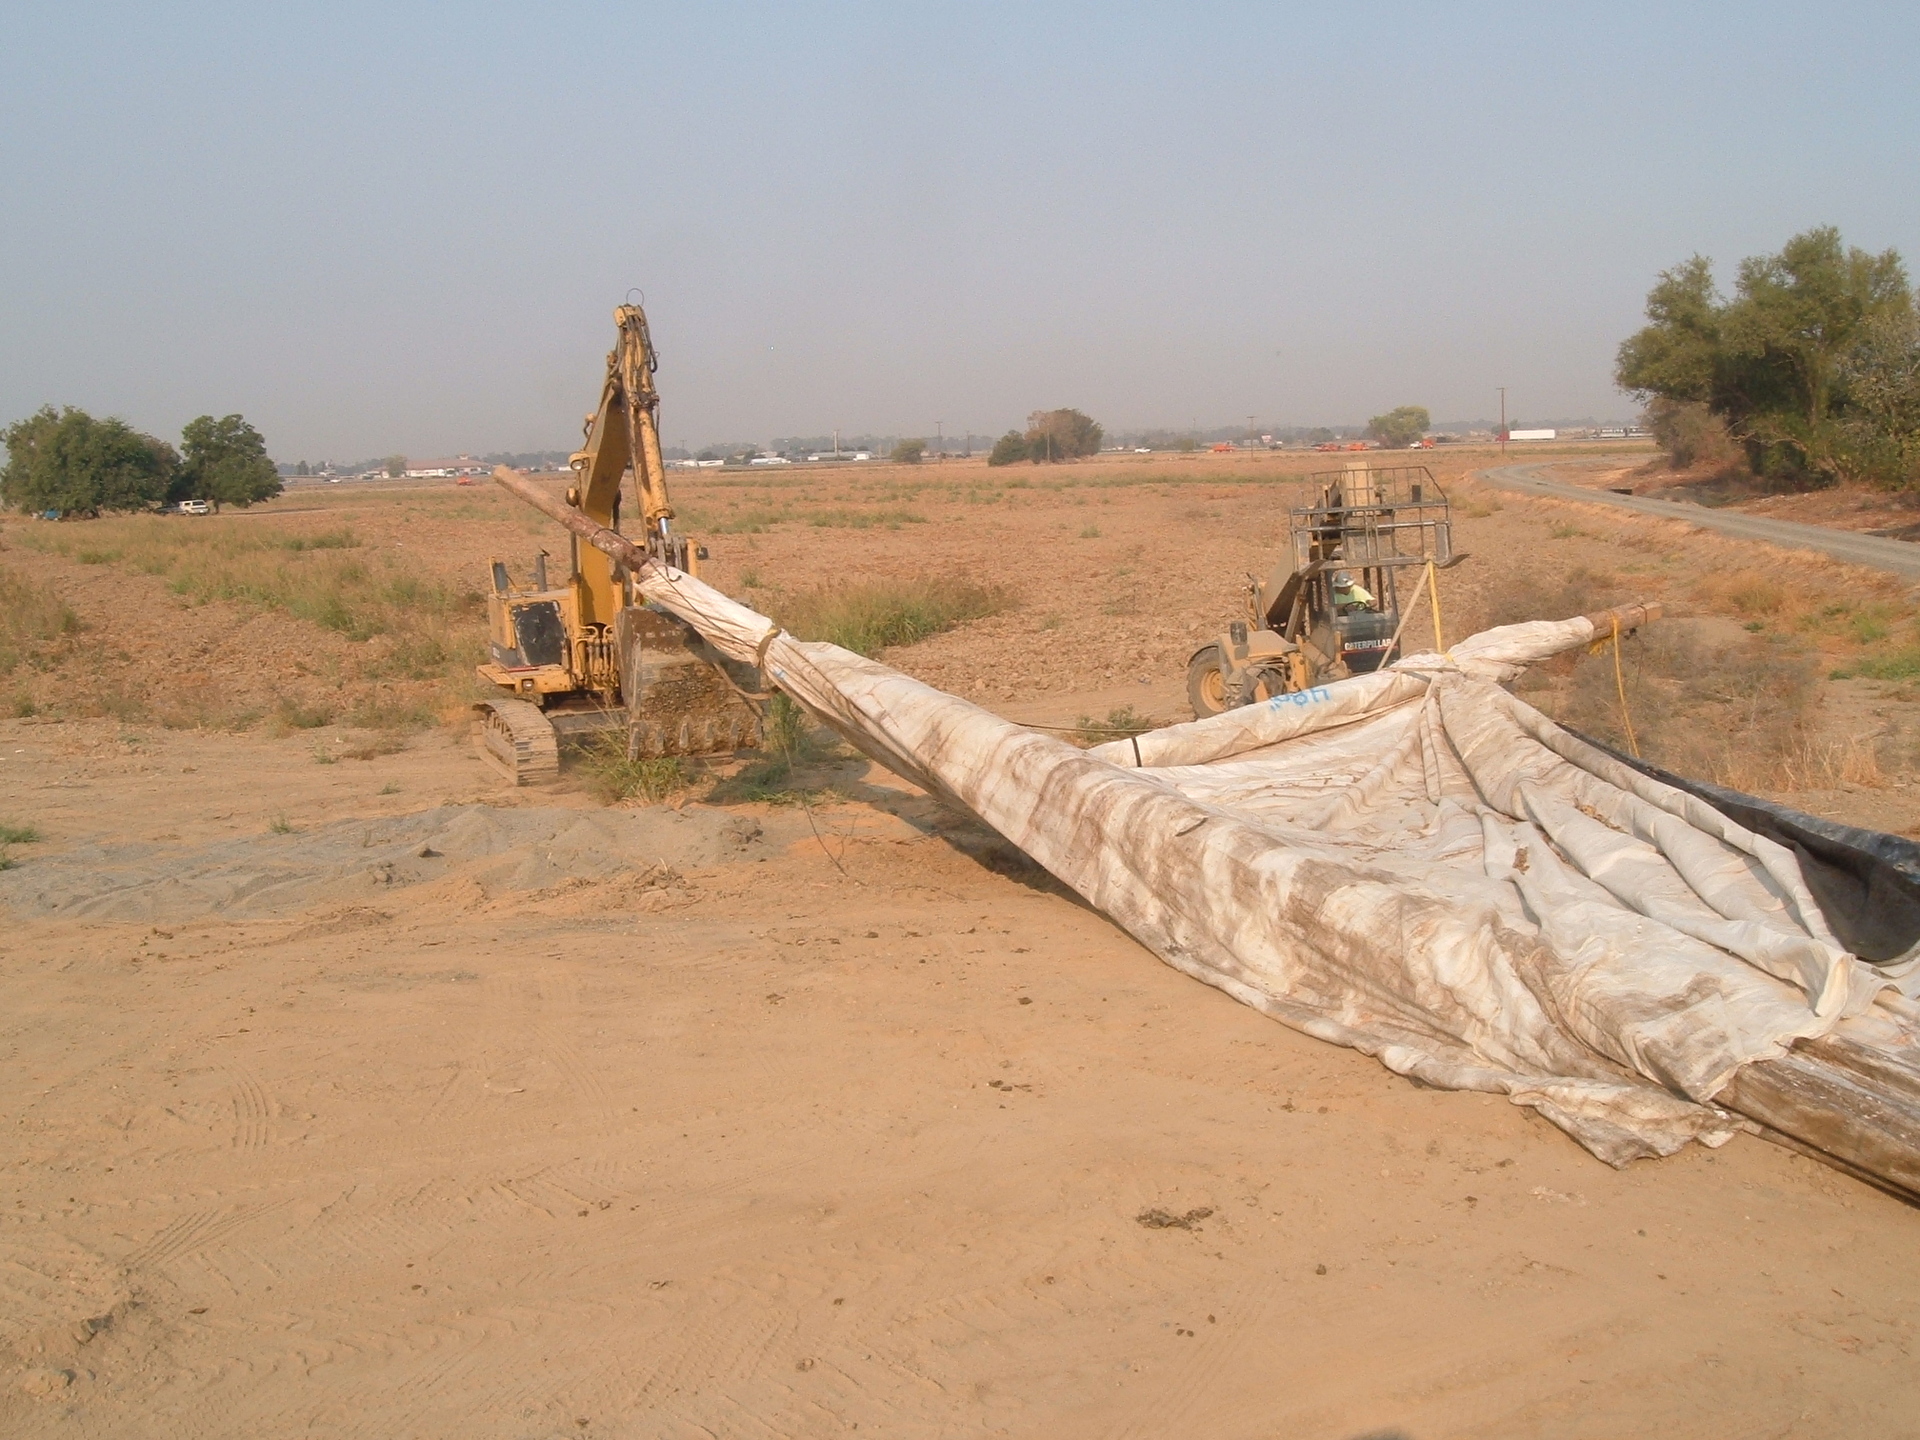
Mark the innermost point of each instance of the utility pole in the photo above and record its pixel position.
(1250, 432)
(940, 439)
(1503, 422)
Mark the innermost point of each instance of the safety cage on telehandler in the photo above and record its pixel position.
(1331, 607)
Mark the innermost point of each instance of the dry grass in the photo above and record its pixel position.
(1121, 722)
(844, 517)
(1806, 615)
(32, 618)
(758, 519)
(421, 629)
(870, 617)
(1743, 715)
(321, 577)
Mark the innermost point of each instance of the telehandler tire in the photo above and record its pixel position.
(1206, 687)
(1264, 684)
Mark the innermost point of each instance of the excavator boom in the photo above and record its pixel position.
(623, 435)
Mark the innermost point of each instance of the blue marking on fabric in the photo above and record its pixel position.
(1301, 697)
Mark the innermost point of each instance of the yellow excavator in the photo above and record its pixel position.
(577, 659)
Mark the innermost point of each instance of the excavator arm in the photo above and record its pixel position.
(623, 435)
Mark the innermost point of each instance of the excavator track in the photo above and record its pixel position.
(519, 739)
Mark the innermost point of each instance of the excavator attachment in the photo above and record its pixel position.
(683, 696)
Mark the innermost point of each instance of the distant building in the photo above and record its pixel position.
(443, 469)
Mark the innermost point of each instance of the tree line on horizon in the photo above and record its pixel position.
(1808, 374)
(65, 462)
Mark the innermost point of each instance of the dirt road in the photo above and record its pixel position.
(1896, 557)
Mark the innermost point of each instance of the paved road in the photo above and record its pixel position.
(1897, 557)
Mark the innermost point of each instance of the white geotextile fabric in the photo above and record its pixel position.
(1413, 863)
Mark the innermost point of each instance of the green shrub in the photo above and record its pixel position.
(1010, 449)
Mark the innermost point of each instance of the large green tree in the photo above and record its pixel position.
(1399, 428)
(1054, 435)
(225, 463)
(67, 461)
(1777, 363)
(1881, 376)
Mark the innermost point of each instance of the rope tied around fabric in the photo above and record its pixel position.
(1620, 686)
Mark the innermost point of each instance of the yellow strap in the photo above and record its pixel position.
(1620, 684)
(1406, 614)
(1433, 599)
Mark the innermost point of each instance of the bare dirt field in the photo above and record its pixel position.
(352, 1093)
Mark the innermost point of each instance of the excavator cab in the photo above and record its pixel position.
(530, 632)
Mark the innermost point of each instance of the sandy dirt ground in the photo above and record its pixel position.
(365, 1097)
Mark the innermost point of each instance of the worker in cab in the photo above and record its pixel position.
(1349, 594)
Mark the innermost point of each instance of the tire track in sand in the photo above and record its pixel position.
(194, 1231)
(252, 1108)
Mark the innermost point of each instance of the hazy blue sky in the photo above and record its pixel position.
(403, 227)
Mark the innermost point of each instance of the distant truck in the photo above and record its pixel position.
(195, 507)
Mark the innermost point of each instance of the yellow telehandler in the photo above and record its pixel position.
(1332, 606)
(576, 659)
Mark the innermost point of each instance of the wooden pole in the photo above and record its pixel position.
(609, 542)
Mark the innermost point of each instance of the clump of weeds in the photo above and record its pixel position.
(615, 777)
(1119, 724)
